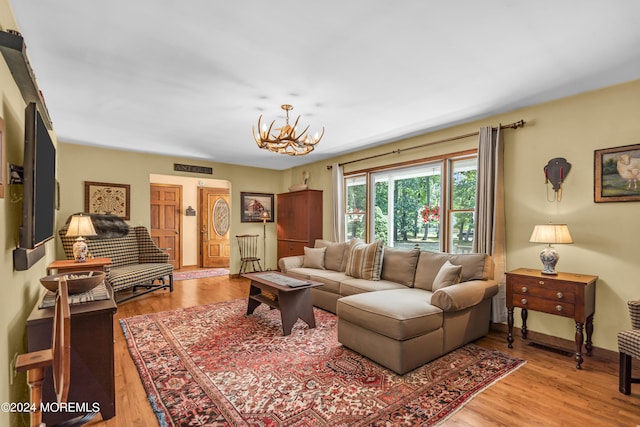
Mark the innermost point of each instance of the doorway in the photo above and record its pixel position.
(166, 203)
(214, 222)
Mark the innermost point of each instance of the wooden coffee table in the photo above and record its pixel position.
(294, 302)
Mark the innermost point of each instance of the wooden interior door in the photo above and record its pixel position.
(166, 203)
(215, 221)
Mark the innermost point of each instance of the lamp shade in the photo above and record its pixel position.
(551, 233)
(264, 215)
(81, 225)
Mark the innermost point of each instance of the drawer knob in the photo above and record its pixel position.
(524, 289)
(524, 301)
(560, 295)
(558, 307)
(541, 282)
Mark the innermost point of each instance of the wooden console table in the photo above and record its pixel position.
(70, 265)
(565, 294)
(92, 378)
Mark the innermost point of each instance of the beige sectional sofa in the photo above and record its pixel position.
(400, 308)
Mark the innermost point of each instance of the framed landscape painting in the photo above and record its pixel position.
(617, 174)
(253, 204)
(105, 198)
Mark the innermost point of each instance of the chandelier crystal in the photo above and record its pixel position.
(286, 140)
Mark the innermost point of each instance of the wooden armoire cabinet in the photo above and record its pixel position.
(299, 221)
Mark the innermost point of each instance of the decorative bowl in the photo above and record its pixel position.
(78, 281)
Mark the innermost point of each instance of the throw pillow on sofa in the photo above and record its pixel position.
(314, 258)
(365, 260)
(335, 258)
(399, 265)
(448, 275)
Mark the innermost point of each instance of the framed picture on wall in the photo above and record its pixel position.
(253, 204)
(105, 198)
(617, 174)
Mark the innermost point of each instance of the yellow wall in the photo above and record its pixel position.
(19, 289)
(82, 163)
(605, 234)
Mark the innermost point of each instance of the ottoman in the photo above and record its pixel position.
(399, 328)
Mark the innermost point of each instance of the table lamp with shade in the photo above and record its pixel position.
(550, 233)
(264, 216)
(80, 226)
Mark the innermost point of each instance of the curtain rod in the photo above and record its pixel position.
(515, 125)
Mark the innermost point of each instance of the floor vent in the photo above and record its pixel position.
(556, 350)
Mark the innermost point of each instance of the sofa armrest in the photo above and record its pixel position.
(156, 257)
(289, 262)
(464, 295)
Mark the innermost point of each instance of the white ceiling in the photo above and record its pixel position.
(191, 77)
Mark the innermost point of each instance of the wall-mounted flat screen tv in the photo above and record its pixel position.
(38, 209)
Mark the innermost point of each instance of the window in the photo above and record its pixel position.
(406, 204)
(429, 205)
(355, 207)
(463, 202)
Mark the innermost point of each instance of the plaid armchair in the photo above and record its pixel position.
(136, 261)
(629, 346)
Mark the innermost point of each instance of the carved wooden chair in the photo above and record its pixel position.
(58, 357)
(629, 346)
(248, 245)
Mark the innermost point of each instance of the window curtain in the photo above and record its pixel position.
(337, 176)
(490, 218)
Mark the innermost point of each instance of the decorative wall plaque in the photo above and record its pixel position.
(192, 168)
(105, 198)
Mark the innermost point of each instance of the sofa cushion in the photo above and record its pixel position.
(352, 286)
(474, 267)
(399, 265)
(314, 258)
(335, 257)
(330, 280)
(400, 314)
(137, 274)
(301, 272)
(365, 260)
(448, 275)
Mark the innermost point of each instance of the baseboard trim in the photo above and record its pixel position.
(556, 343)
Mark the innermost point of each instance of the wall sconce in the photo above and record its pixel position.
(190, 211)
(556, 172)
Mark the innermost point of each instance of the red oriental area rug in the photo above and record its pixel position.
(213, 365)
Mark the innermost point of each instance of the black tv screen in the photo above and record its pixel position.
(38, 209)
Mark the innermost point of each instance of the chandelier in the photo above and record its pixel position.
(287, 140)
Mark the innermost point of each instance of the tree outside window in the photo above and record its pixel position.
(408, 207)
(356, 207)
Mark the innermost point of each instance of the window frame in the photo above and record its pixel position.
(446, 163)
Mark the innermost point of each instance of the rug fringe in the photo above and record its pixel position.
(519, 364)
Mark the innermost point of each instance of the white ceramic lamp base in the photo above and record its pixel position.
(549, 258)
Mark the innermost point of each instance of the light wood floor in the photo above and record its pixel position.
(546, 391)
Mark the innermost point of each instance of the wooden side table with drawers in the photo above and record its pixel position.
(565, 294)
